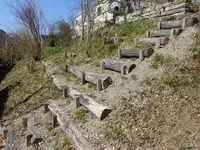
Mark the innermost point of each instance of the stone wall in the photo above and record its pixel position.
(160, 11)
(166, 10)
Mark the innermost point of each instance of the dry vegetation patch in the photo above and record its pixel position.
(167, 116)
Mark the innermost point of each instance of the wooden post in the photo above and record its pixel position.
(158, 43)
(123, 70)
(172, 32)
(5, 133)
(25, 122)
(148, 33)
(82, 78)
(54, 121)
(119, 54)
(77, 101)
(116, 39)
(28, 139)
(66, 68)
(65, 92)
(136, 40)
(44, 68)
(102, 65)
(159, 25)
(99, 87)
(141, 55)
(184, 22)
(46, 108)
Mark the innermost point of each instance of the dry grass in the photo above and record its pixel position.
(167, 116)
(29, 88)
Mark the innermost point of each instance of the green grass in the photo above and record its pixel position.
(61, 144)
(80, 113)
(98, 49)
(25, 83)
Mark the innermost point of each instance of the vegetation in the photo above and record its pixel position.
(80, 113)
(32, 20)
(61, 144)
(26, 87)
(161, 59)
(98, 49)
(169, 103)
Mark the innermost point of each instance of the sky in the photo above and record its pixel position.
(52, 10)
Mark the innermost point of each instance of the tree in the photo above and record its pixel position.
(64, 32)
(32, 18)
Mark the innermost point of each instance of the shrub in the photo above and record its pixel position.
(194, 6)
(52, 40)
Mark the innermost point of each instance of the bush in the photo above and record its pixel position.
(49, 52)
(194, 6)
(52, 40)
(65, 33)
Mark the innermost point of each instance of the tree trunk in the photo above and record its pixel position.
(117, 65)
(70, 129)
(185, 22)
(91, 77)
(82, 19)
(153, 41)
(135, 52)
(165, 32)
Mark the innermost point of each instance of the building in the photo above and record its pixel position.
(104, 10)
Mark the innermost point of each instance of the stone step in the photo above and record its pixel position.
(164, 32)
(185, 22)
(158, 41)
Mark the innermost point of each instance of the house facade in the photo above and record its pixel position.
(103, 11)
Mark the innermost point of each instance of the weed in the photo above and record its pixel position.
(49, 52)
(124, 78)
(80, 113)
(134, 77)
(172, 18)
(68, 100)
(160, 59)
(61, 144)
(142, 45)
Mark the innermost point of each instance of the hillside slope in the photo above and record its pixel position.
(156, 106)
